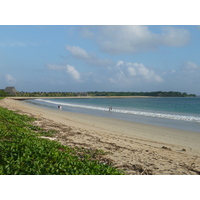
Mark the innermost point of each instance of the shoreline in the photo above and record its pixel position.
(133, 146)
(79, 97)
(88, 97)
(175, 121)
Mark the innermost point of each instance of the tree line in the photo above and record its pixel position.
(3, 93)
(153, 94)
(97, 93)
(46, 94)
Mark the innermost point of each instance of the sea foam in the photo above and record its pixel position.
(130, 112)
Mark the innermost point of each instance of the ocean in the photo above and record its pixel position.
(175, 112)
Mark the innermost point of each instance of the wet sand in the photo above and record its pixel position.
(135, 147)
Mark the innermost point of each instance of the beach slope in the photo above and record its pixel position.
(135, 147)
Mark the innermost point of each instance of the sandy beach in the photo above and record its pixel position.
(135, 147)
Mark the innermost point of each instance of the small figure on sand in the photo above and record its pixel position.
(110, 108)
(59, 107)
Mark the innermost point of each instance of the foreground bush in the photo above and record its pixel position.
(23, 152)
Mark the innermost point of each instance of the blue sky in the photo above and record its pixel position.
(100, 58)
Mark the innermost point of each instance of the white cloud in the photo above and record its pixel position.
(73, 72)
(68, 69)
(174, 36)
(78, 52)
(10, 79)
(190, 66)
(132, 71)
(120, 62)
(124, 39)
(185, 78)
(132, 39)
(146, 73)
(142, 72)
(129, 73)
(89, 58)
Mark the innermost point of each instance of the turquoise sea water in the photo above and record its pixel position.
(181, 113)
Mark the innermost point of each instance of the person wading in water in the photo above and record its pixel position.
(60, 107)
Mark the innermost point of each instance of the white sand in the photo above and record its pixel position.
(138, 148)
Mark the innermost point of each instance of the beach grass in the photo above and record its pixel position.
(24, 152)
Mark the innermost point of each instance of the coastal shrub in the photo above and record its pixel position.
(23, 152)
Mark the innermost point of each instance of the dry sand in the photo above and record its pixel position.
(135, 147)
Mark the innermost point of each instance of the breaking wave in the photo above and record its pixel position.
(131, 112)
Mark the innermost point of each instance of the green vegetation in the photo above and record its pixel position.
(46, 94)
(154, 94)
(24, 152)
(3, 94)
(96, 93)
